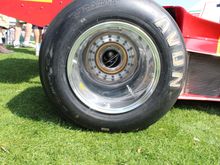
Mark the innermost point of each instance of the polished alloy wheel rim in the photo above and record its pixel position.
(113, 67)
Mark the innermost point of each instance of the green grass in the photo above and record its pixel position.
(32, 133)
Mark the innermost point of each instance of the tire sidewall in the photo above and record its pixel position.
(80, 16)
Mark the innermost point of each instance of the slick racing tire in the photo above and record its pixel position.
(113, 65)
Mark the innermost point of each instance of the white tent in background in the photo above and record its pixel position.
(207, 9)
(197, 8)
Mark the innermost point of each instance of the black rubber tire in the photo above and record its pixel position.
(68, 25)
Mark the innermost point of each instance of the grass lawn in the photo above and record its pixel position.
(32, 133)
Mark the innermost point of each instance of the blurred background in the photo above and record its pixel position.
(188, 4)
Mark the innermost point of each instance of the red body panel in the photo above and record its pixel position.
(37, 12)
(187, 96)
(200, 35)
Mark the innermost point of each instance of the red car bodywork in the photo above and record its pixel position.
(202, 39)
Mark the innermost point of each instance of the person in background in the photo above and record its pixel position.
(38, 38)
(18, 29)
(4, 24)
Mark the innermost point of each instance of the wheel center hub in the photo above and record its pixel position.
(111, 58)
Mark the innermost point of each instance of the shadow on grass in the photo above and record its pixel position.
(24, 51)
(212, 108)
(18, 70)
(33, 104)
(27, 51)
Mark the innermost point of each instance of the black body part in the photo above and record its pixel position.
(202, 75)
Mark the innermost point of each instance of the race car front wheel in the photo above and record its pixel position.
(113, 65)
